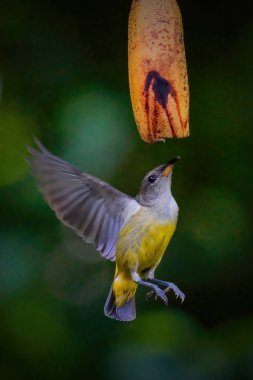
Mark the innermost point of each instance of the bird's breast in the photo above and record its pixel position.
(154, 244)
(143, 240)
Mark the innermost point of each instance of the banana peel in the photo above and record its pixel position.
(157, 70)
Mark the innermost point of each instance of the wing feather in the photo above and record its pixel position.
(93, 208)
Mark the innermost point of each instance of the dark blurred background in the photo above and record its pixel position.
(64, 79)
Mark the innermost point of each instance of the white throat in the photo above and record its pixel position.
(166, 207)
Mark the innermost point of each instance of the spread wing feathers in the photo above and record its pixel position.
(93, 208)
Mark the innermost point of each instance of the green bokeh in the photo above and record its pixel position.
(16, 132)
(63, 78)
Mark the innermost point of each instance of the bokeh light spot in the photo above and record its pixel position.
(94, 129)
(16, 131)
(216, 221)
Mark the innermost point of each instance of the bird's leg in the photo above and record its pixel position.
(155, 289)
(169, 286)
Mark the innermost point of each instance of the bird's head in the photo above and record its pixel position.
(156, 183)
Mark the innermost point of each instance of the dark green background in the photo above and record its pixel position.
(63, 70)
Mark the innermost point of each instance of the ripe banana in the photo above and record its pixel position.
(157, 70)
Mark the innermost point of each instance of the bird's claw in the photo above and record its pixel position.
(176, 291)
(158, 294)
(149, 295)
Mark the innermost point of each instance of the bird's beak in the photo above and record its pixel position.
(169, 166)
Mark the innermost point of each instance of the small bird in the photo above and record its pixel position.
(133, 231)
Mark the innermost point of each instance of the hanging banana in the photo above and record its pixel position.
(157, 70)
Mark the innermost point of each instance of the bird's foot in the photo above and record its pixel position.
(176, 291)
(149, 295)
(169, 286)
(158, 293)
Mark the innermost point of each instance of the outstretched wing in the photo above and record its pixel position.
(93, 208)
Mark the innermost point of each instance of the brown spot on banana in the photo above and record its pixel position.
(157, 70)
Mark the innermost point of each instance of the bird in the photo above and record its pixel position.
(134, 232)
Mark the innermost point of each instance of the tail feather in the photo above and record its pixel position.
(125, 313)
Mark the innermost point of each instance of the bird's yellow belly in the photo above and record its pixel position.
(153, 246)
(140, 249)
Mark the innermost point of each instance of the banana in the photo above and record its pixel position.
(157, 70)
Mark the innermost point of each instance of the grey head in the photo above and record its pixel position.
(156, 184)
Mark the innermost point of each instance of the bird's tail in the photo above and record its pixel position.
(120, 303)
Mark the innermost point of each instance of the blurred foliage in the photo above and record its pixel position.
(63, 78)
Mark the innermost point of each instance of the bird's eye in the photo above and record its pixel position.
(152, 178)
